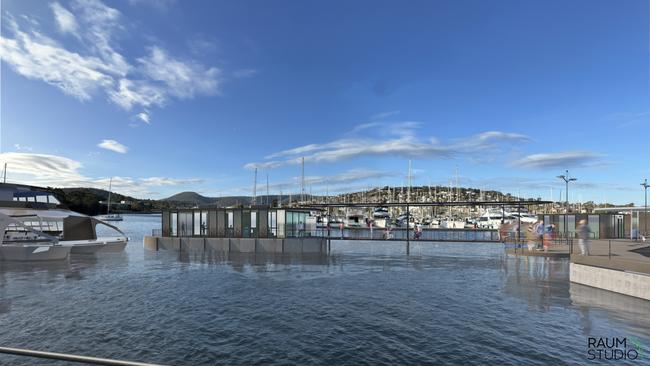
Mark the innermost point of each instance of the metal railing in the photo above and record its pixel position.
(71, 358)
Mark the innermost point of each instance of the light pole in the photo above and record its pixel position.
(645, 186)
(566, 179)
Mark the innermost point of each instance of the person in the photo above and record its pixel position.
(418, 231)
(548, 236)
(539, 230)
(531, 235)
(583, 237)
(503, 231)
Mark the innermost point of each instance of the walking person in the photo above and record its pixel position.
(539, 230)
(583, 237)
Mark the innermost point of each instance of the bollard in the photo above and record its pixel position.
(610, 250)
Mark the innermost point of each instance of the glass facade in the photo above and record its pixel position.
(273, 223)
(593, 221)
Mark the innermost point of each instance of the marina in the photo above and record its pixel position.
(326, 183)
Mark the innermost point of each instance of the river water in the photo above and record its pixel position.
(366, 303)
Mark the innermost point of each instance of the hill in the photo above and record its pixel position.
(190, 197)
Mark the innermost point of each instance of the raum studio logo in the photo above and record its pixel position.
(615, 348)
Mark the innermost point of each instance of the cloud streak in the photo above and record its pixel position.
(565, 159)
(113, 145)
(406, 144)
(58, 171)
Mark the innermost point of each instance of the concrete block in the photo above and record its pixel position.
(169, 244)
(628, 283)
(292, 245)
(217, 245)
(192, 244)
(242, 245)
(265, 245)
(312, 245)
(149, 242)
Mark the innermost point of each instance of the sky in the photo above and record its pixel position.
(170, 96)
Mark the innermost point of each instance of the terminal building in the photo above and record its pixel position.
(245, 230)
(604, 223)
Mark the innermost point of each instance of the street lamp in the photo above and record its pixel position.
(645, 186)
(566, 179)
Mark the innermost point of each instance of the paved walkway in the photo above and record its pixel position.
(619, 254)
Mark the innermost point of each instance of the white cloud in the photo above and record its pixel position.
(406, 144)
(144, 117)
(96, 65)
(164, 181)
(65, 20)
(183, 79)
(113, 146)
(566, 159)
(20, 147)
(57, 171)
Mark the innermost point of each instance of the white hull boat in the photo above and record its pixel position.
(33, 252)
(35, 226)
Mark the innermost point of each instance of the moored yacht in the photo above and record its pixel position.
(36, 226)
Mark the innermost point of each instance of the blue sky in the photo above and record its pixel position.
(167, 96)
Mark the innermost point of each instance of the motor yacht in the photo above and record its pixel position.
(36, 226)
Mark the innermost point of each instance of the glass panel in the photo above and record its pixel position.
(254, 224)
(197, 223)
(281, 219)
(174, 224)
(185, 221)
(594, 225)
(230, 232)
(571, 225)
(204, 223)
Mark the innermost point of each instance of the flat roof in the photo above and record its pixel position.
(623, 208)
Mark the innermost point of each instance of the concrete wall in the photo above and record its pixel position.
(627, 283)
(237, 245)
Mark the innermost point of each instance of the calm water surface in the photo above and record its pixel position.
(364, 304)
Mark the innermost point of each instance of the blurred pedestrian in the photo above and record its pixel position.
(583, 237)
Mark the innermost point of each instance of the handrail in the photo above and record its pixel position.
(71, 358)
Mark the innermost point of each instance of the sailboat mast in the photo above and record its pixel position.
(108, 207)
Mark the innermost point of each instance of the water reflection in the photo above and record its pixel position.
(591, 302)
(541, 282)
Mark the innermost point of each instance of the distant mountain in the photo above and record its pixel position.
(190, 197)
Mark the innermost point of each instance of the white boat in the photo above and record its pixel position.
(109, 216)
(380, 213)
(492, 219)
(36, 226)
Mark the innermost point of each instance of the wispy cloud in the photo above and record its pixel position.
(164, 181)
(244, 73)
(406, 144)
(95, 65)
(565, 159)
(65, 20)
(113, 145)
(58, 171)
(20, 147)
(385, 114)
(144, 117)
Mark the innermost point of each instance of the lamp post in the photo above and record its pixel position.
(565, 177)
(645, 186)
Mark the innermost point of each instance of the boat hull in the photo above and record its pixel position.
(28, 253)
(111, 245)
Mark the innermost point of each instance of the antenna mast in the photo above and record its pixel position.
(254, 188)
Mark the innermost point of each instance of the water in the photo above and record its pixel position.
(364, 304)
